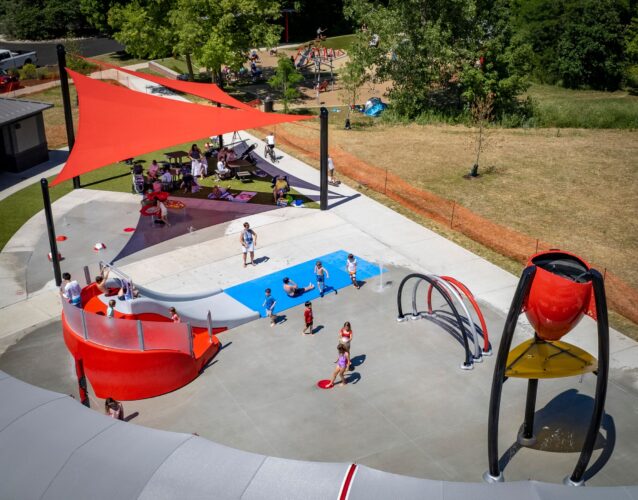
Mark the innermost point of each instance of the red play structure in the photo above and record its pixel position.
(133, 356)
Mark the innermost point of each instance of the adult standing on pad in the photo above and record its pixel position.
(248, 240)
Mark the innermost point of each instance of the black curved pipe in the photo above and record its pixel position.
(434, 283)
(522, 290)
(602, 377)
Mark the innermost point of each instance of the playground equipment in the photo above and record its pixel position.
(315, 55)
(555, 290)
(141, 352)
(451, 290)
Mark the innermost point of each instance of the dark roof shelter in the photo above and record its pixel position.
(23, 143)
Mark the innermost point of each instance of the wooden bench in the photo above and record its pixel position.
(244, 176)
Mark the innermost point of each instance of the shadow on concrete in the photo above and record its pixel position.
(344, 200)
(8, 179)
(100, 181)
(131, 416)
(353, 378)
(561, 427)
(358, 360)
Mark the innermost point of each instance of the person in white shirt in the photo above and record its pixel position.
(270, 141)
(71, 290)
(222, 170)
(351, 267)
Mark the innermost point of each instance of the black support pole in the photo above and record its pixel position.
(323, 160)
(494, 475)
(598, 283)
(220, 138)
(44, 184)
(66, 101)
(527, 436)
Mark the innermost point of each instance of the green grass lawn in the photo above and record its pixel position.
(565, 108)
(120, 58)
(342, 42)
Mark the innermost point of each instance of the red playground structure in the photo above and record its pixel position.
(133, 355)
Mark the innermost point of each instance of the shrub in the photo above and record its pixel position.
(28, 72)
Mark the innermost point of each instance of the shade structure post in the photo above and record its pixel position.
(66, 102)
(55, 257)
(220, 138)
(323, 160)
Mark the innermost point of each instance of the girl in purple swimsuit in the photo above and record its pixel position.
(342, 364)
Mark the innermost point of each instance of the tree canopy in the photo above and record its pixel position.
(440, 56)
(575, 42)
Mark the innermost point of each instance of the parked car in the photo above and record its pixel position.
(8, 82)
(10, 59)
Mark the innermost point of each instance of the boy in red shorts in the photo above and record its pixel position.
(308, 318)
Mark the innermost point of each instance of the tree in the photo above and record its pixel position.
(143, 27)
(96, 13)
(285, 79)
(439, 56)
(221, 32)
(481, 111)
(41, 19)
(352, 77)
(576, 42)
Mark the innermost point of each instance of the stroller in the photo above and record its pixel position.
(138, 184)
(246, 155)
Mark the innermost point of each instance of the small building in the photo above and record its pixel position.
(23, 143)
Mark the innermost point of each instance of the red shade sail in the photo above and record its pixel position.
(117, 123)
(208, 91)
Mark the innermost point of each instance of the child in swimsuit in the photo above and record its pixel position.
(345, 336)
(321, 273)
(342, 363)
(351, 267)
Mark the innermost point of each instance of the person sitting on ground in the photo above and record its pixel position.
(281, 187)
(292, 289)
(100, 279)
(153, 171)
(114, 409)
(187, 179)
(217, 193)
(223, 172)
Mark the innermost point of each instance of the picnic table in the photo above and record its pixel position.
(177, 156)
(242, 169)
